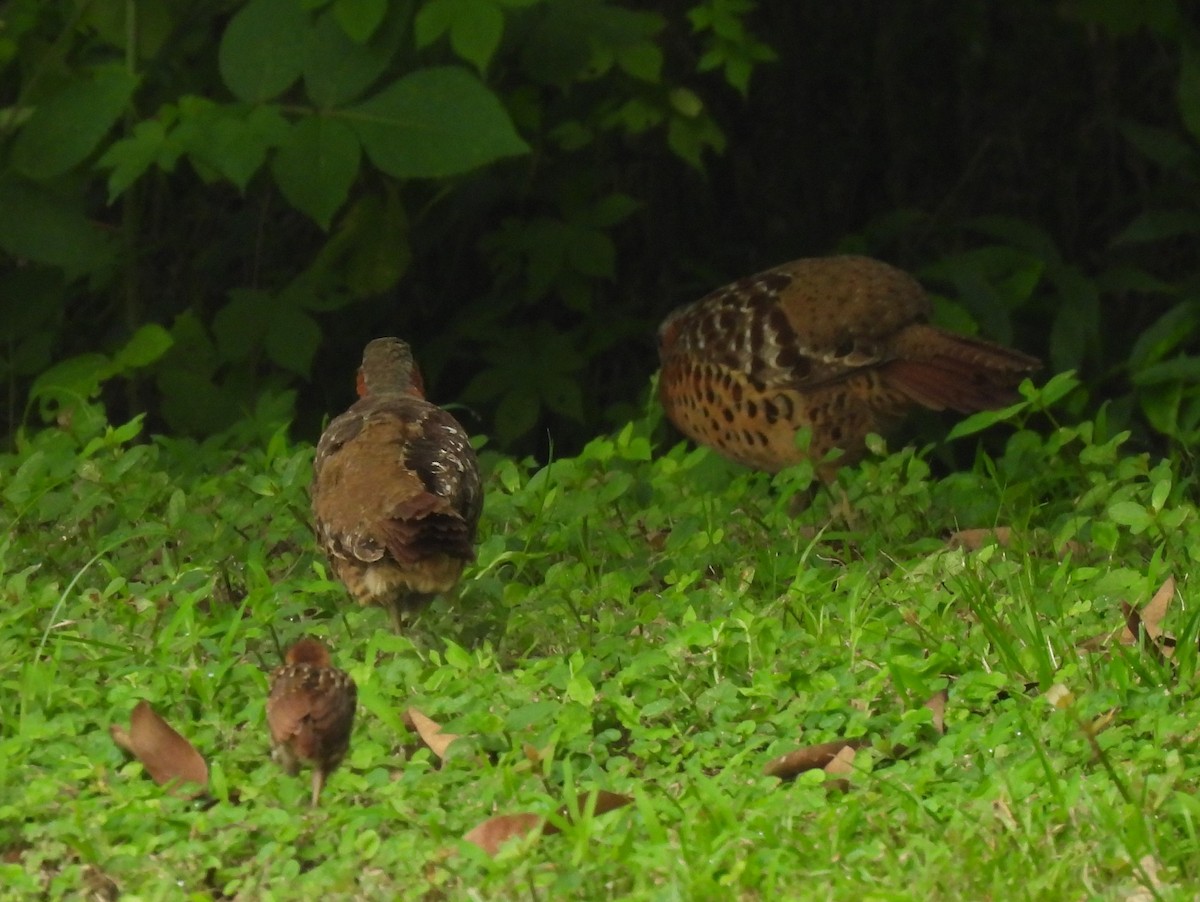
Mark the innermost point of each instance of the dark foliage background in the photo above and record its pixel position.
(209, 207)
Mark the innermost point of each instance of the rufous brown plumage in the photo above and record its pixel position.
(396, 493)
(841, 345)
(310, 712)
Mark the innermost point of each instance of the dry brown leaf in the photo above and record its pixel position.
(605, 802)
(975, 539)
(166, 755)
(937, 705)
(1146, 622)
(1153, 614)
(811, 757)
(841, 764)
(496, 831)
(430, 732)
(1134, 626)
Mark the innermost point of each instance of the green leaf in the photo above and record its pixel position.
(240, 325)
(129, 158)
(383, 252)
(48, 228)
(643, 60)
(145, 347)
(435, 123)
(76, 379)
(359, 18)
(1157, 225)
(476, 36)
(262, 50)
(292, 339)
(68, 125)
(337, 70)
(316, 166)
(1131, 514)
(1189, 87)
(233, 140)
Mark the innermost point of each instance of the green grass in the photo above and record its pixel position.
(654, 622)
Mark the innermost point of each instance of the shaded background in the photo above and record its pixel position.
(1035, 164)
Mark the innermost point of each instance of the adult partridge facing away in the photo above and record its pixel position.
(838, 344)
(310, 712)
(396, 493)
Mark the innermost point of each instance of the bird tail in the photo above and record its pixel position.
(941, 370)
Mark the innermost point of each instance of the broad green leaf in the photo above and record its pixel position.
(77, 378)
(262, 50)
(241, 324)
(360, 18)
(316, 166)
(145, 347)
(48, 228)
(1189, 88)
(233, 140)
(130, 157)
(434, 123)
(383, 252)
(337, 70)
(1158, 225)
(292, 339)
(1131, 514)
(67, 126)
(476, 33)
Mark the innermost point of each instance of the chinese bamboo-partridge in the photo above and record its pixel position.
(840, 345)
(396, 493)
(310, 712)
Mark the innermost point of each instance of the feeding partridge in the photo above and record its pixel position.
(396, 494)
(840, 345)
(310, 712)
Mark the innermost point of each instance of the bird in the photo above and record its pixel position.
(396, 491)
(841, 345)
(310, 712)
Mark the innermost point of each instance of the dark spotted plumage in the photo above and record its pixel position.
(396, 492)
(840, 345)
(310, 712)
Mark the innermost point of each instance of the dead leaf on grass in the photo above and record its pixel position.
(493, 833)
(167, 756)
(811, 757)
(496, 831)
(937, 705)
(430, 732)
(975, 539)
(1146, 624)
(1152, 615)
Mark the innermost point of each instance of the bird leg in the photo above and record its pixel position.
(318, 783)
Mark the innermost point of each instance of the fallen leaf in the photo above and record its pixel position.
(937, 705)
(1059, 696)
(166, 755)
(1146, 623)
(430, 732)
(1153, 614)
(975, 539)
(496, 831)
(605, 802)
(839, 766)
(1136, 627)
(811, 757)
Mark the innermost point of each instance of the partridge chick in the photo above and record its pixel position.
(396, 493)
(310, 712)
(841, 345)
